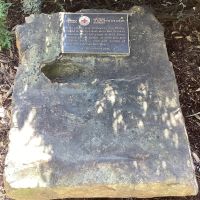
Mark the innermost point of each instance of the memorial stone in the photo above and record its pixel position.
(96, 110)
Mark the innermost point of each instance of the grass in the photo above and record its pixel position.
(5, 35)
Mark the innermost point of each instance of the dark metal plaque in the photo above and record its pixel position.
(95, 33)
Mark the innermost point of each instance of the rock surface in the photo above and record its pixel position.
(93, 125)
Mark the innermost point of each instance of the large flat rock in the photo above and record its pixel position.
(103, 126)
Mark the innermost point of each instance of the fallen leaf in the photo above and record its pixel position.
(198, 123)
(175, 32)
(196, 157)
(178, 37)
(189, 38)
(198, 90)
(197, 116)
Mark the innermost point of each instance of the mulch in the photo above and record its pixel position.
(183, 44)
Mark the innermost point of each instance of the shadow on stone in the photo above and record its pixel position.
(96, 126)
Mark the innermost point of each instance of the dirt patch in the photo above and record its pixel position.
(181, 20)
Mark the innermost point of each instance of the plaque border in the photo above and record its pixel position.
(98, 53)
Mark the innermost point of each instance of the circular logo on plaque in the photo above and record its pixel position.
(84, 20)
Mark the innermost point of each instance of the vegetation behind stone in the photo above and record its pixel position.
(168, 10)
(5, 36)
(32, 6)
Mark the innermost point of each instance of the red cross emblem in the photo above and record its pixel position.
(84, 20)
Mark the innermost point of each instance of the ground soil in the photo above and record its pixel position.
(181, 20)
